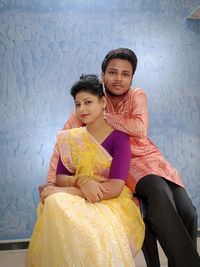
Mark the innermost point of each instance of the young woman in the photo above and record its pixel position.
(89, 219)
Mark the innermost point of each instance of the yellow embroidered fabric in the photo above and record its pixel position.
(72, 232)
(87, 158)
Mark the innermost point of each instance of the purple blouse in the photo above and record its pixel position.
(117, 145)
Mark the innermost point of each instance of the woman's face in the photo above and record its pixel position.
(89, 107)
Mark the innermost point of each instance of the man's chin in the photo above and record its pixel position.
(116, 93)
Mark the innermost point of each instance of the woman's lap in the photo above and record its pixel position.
(67, 221)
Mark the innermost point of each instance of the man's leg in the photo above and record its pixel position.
(150, 248)
(166, 222)
(186, 210)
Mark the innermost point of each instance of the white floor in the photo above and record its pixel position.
(16, 258)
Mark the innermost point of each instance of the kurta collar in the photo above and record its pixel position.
(123, 99)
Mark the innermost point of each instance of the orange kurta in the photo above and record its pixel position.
(131, 117)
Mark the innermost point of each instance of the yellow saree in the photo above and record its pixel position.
(72, 232)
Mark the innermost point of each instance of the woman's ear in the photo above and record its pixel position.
(104, 101)
(102, 77)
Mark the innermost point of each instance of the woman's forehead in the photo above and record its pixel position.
(84, 95)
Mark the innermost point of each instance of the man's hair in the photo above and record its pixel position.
(88, 83)
(121, 53)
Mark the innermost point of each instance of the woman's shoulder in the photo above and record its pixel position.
(72, 130)
(119, 134)
(120, 141)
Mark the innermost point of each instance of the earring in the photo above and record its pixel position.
(104, 113)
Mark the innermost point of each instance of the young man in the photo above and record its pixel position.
(169, 211)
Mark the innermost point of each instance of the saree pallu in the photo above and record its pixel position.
(72, 232)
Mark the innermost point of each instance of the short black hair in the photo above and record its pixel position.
(121, 53)
(88, 83)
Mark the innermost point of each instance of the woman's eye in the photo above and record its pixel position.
(77, 105)
(88, 102)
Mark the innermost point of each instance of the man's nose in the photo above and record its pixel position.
(118, 77)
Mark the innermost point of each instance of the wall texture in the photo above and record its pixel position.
(46, 45)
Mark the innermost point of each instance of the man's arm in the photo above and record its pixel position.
(73, 122)
(136, 123)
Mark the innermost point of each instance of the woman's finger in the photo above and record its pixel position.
(103, 189)
(100, 195)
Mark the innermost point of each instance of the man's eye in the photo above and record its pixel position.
(126, 75)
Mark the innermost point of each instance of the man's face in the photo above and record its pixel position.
(118, 76)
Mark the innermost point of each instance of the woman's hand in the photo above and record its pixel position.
(41, 187)
(49, 190)
(93, 191)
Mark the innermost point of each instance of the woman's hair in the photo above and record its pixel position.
(121, 53)
(88, 83)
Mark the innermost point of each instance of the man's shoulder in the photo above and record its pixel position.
(136, 90)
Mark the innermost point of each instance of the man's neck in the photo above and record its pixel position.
(115, 99)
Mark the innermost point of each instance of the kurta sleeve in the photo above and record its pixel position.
(72, 122)
(135, 122)
(121, 154)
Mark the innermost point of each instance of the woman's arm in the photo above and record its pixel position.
(94, 191)
(121, 154)
(64, 180)
(64, 177)
(49, 190)
(71, 123)
(113, 188)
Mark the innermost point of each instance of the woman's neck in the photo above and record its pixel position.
(99, 129)
(96, 125)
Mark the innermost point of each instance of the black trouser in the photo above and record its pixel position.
(171, 217)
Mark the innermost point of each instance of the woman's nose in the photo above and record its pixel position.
(82, 108)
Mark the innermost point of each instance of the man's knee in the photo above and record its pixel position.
(152, 185)
(192, 217)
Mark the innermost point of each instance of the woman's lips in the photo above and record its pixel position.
(84, 115)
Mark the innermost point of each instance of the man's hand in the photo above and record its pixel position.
(93, 191)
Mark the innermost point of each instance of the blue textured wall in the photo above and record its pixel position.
(46, 45)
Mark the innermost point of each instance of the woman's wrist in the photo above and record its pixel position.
(74, 191)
